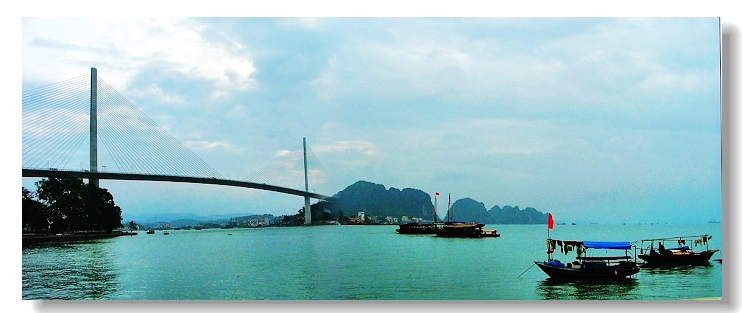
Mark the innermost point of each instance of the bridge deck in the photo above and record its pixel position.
(180, 179)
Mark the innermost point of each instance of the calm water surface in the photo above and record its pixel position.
(348, 263)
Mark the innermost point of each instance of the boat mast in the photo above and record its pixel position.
(448, 213)
(435, 209)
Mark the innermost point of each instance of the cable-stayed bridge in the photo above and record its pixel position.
(63, 119)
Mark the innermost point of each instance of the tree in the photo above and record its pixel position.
(35, 214)
(63, 196)
(75, 205)
(133, 226)
(104, 211)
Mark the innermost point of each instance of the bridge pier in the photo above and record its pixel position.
(307, 207)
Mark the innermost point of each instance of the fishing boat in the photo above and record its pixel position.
(150, 231)
(587, 267)
(654, 252)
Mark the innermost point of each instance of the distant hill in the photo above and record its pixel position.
(182, 219)
(468, 210)
(514, 215)
(376, 200)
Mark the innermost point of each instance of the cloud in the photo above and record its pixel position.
(120, 47)
(206, 145)
(343, 146)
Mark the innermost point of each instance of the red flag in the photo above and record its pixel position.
(437, 194)
(551, 222)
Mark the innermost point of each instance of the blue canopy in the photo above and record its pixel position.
(607, 245)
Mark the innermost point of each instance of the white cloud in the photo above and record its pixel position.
(357, 146)
(120, 48)
(206, 145)
(327, 82)
(155, 92)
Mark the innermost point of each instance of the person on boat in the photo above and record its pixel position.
(662, 248)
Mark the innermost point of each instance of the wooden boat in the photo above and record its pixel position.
(416, 228)
(462, 230)
(654, 252)
(588, 267)
(448, 228)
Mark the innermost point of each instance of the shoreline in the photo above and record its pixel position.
(35, 238)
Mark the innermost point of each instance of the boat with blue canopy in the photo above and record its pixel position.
(586, 264)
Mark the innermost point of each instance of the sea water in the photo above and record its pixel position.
(350, 263)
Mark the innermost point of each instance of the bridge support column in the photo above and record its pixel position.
(93, 125)
(307, 207)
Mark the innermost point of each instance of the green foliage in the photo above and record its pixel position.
(35, 214)
(69, 204)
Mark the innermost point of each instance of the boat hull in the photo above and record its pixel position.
(418, 229)
(607, 273)
(468, 235)
(701, 257)
(461, 230)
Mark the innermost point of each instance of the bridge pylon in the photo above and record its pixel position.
(307, 207)
(93, 125)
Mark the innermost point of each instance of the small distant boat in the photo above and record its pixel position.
(654, 252)
(714, 222)
(150, 231)
(166, 233)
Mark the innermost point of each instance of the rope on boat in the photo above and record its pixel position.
(521, 274)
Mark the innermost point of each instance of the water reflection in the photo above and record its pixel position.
(551, 289)
(697, 270)
(78, 270)
(674, 268)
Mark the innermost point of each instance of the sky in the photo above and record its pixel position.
(592, 119)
